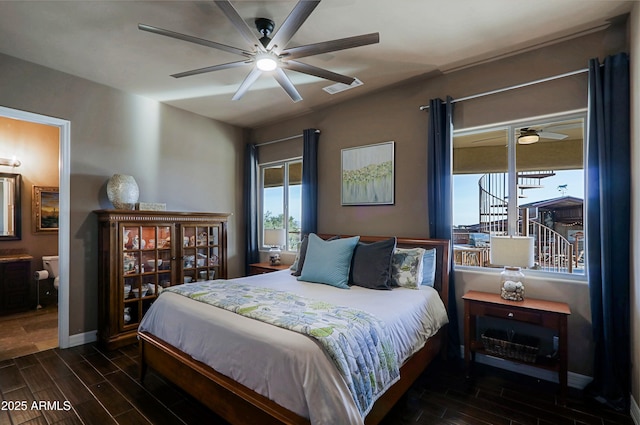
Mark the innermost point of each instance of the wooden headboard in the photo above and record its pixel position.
(443, 262)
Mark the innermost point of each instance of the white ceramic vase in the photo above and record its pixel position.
(122, 191)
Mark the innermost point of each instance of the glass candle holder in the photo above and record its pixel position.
(512, 284)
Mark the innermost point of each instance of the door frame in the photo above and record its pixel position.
(64, 213)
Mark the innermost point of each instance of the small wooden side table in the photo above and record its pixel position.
(548, 314)
(261, 268)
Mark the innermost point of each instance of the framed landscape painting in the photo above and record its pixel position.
(45, 209)
(368, 175)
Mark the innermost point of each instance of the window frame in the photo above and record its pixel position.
(510, 128)
(285, 206)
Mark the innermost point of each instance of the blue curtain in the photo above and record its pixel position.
(251, 206)
(309, 224)
(439, 197)
(608, 228)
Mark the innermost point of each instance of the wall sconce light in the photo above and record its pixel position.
(11, 162)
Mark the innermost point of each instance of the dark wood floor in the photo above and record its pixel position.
(85, 385)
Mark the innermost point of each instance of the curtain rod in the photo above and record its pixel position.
(517, 86)
(284, 139)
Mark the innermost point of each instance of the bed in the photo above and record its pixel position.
(290, 379)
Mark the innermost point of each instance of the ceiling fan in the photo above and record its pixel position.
(268, 54)
(530, 135)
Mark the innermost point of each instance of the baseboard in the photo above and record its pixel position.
(83, 338)
(574, 380)
(634, 410)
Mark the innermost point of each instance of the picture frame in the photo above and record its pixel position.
(368, 174)
(45, 209)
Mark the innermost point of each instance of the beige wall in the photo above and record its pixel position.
(394, 114)
(37, 148)
(189, 162)
(635, 213)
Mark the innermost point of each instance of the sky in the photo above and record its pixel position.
(465, 193)
(273, 201)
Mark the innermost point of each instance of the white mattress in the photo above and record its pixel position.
(290, 368)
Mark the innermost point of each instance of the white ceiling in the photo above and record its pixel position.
(100, 41)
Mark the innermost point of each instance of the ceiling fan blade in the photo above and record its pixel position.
(191, 39)
(287, 85)
(296, 18)
(211, 69)
(331, 46)
(232, 14)
(317, 72)
(490, 139)
(248, 81)
(553, 136)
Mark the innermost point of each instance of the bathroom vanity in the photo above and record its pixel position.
(14, 283)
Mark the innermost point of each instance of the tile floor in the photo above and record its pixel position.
(28, 332)
(102, 387)
(86, 385)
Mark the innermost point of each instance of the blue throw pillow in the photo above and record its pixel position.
(298, 264)
(429, 267)
(328, 261)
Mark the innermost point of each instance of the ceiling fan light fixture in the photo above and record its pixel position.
(528, 137)
(266, 62)
(268, 54)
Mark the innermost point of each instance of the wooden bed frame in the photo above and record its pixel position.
(238, 404)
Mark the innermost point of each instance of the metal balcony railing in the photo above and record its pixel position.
(553, 252)
(493, 203)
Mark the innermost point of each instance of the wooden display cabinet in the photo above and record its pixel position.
(143, 252)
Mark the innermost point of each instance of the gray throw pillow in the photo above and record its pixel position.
(371, 264)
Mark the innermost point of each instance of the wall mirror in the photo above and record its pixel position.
(10, 206)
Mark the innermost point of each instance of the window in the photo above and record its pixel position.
(281, 185)
(507, 184)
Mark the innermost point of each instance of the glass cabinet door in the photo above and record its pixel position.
(201, 251)
(146, 268)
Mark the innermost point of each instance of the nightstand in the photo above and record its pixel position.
(548, 314)
(261, 268)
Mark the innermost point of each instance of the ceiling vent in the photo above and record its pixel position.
(338, 87)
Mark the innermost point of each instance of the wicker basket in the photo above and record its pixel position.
(519, 347)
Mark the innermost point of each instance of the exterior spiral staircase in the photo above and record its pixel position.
(553, 252)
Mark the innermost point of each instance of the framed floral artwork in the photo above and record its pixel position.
(368, 175)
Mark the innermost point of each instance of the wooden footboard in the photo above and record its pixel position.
(234, 402)
(240, 405)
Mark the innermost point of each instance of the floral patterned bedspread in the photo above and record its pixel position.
(356, 341)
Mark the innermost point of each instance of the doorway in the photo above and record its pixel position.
(64, 178)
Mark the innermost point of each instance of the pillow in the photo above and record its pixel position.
(302, 253)
(371, 264)
(429, 267)
(406, 267)
(297, 264)
(328, 261)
